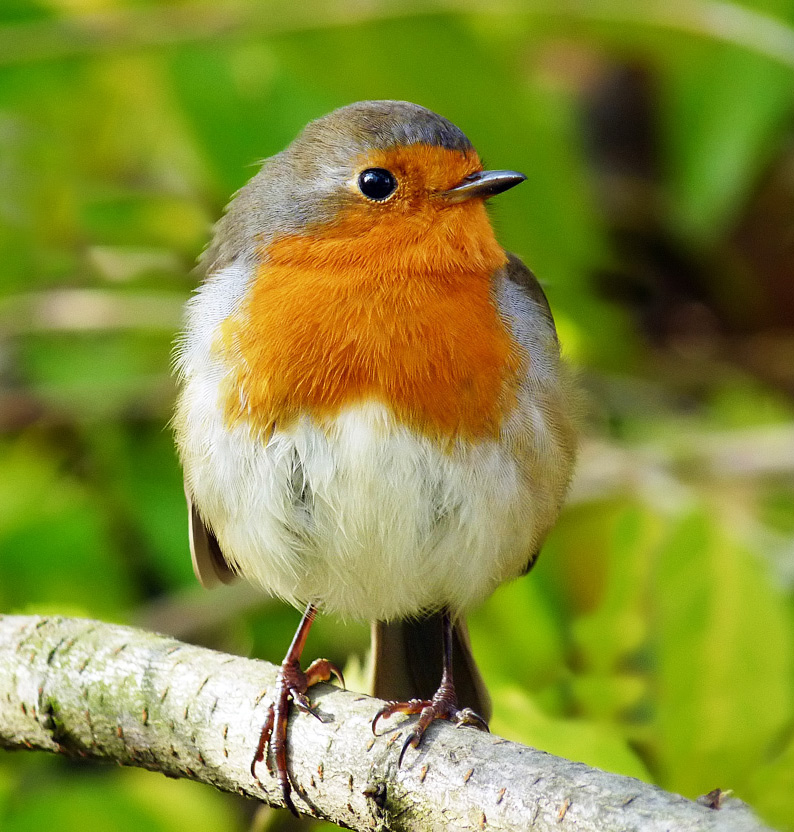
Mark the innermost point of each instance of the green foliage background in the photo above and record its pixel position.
(654, 638)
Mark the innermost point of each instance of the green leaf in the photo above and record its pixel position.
(771, 789)
(101, 375)
(128, 801)
(724, 653)
(618, 627)
(140, 466)
(56, 552)
(725, 109)
(518, 718)
(519, 621)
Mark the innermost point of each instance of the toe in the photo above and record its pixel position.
(321, 670)
(412, 706)
(469, 717)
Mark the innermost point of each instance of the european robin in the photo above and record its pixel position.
(374, 419)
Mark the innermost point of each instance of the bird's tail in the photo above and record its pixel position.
(407, 663)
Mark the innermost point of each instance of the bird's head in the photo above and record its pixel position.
(385, 186)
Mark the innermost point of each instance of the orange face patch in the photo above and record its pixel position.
(392, 301)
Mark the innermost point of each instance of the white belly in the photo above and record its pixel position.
(364, 518)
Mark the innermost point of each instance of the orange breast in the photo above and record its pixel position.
(395, 306)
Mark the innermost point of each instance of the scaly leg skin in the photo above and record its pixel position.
(291, 684)
(443, 705)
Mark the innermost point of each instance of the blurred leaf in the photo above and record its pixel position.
(618, 627)
(516, 717)
(605, 697)
(98, 375)
(771, 789)
(723, 108)
(7, 787)
(725, 670)
(776, 508)
(241, 106)
(126, 801)
(519, 621)
(56, 552)
(188, 806)
(128, 217)
(740, 401)
(574, 561)
(141, 469)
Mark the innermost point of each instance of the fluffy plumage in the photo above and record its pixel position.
(373, 417)
(357, 511)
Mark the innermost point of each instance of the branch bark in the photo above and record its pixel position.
(88, 689)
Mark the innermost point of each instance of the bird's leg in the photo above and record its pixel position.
(291, 683)
(443, 705)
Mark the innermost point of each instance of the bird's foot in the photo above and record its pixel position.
(443, 705)
(292, 683)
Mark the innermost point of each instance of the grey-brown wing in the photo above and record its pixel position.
(521, 276)
(209, 563)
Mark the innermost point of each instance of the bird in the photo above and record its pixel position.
(374, 419)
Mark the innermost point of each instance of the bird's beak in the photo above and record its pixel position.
(483, 184)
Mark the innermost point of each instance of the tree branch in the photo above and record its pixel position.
(88, 689)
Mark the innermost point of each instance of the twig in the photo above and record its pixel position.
(88, 689)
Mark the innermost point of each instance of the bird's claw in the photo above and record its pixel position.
(292, 683)
(442, 706)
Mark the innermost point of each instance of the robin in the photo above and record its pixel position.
(373, 419)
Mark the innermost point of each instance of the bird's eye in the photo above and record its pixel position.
(377, 184)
